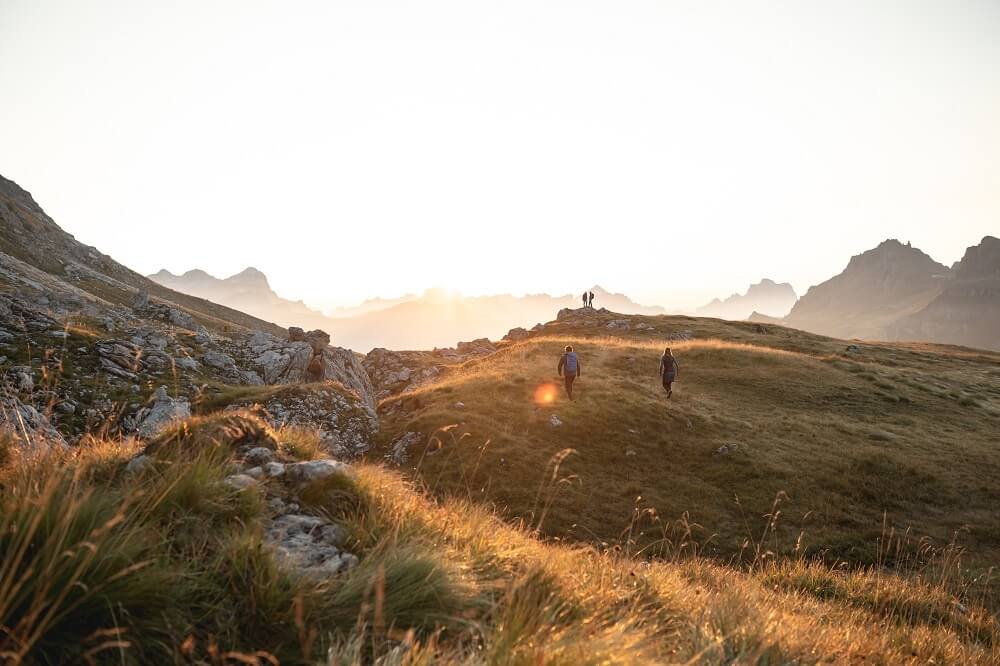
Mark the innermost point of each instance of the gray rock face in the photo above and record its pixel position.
(347, 425)
(318, 340)
(399, 450)
(240, 481)
(394, 372)
(120, 358)
(218, 360)
(297, 361)
(311, 545)
(161, 413)
(314, 470)
(31, 428)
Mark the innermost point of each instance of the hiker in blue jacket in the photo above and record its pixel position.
(569, 369)
(668, 370)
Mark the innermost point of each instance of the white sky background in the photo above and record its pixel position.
(672, 150)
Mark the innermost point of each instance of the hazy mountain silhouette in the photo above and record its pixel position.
(436, 318)
(877, 288)
(765, 298)
(439, 319)
(247, 291)
(967, 311)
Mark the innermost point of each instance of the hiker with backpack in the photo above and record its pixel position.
(569, 369)
(590, 299)
(584, 299)
(668, 371)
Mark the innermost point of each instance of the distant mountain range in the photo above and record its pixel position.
(247, 291)
(436, 318)
(897, 292)
(891, 292)
(767, 297)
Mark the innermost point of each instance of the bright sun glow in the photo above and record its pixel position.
(545, 394)
(460, 143)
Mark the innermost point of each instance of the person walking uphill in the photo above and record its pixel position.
(668, 370)
(569, 369)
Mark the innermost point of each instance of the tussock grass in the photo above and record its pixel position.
(170, 566)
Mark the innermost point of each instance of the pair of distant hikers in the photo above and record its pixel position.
(569, 370)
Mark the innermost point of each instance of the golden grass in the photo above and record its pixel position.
(169, 566)
(846, 438)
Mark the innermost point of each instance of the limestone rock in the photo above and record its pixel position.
(31, 428)
(162, 412)
(120, 358)
(314, 470)
(310, 545)
(240, 481)
(399, 450)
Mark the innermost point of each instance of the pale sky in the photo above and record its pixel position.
(675, 151)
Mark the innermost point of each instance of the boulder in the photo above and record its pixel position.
(314, 470)
(163, 411)
(141, 300)
(218, 360)
(240, 481)
(318, 340)
(516, 334)
(399, 449)
(120, 358)
(31, 428)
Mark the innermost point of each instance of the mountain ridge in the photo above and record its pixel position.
(766, 297)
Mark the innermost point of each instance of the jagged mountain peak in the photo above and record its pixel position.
(899, 257)
(980, 261)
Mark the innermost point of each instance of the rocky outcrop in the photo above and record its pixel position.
(346, 424)
(308, 544)
(393, 372)
(515, 334)
(306, 357)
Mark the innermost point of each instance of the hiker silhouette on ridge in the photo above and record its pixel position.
(584, 299)
(591, 299)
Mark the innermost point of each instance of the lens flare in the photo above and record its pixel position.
(545, 394)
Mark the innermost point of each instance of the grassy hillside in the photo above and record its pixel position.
(169, 566)
(826, 450)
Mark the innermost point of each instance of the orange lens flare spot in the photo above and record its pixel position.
(545, 394)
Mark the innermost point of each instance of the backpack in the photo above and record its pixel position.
(571, 363)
